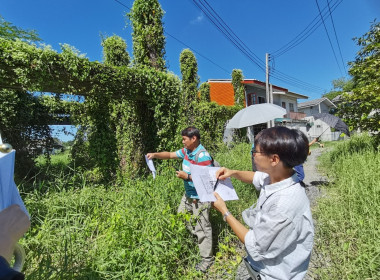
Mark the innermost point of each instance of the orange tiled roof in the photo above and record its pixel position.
(222, 93)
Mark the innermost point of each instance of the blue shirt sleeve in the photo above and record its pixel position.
(181, 153)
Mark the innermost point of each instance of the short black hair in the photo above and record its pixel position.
(291, 145)
(191, 131)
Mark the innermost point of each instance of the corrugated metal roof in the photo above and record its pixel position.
(315, 102)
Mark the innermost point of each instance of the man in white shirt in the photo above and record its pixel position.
(279, 240)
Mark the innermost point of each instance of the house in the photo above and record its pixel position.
(318, 127)
(222, 92)
(320, 105)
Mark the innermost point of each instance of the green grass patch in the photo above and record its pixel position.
(348, 216)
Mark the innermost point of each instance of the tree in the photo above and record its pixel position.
(115, 51)
(11, 32)
(237, 78)
(148, 33)
(361, 108)
(189, 71)
(340, 86)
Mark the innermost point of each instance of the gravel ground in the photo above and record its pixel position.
(313, 181)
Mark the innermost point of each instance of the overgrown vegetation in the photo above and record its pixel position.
(237, 79)
(88, 226)
(348, 215)
(125, 231)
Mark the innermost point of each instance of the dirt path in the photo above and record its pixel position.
(313, 181)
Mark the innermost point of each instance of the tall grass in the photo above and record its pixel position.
(128, 230)
(348, 218)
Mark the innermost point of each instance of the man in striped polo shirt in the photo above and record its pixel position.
(193, 153)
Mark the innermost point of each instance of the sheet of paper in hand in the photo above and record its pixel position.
(150, 164)
(204, 180)
(8, 190)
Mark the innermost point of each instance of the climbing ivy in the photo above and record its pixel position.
(12, 32)
(24, 120)
(211, 119)
(123, 110)
(190, 80)
(204, 92)
(115, 51)
(148, 33)
(28, 67)
(237, 79)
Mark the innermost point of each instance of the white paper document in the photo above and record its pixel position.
(8, 190)
(150, 164)
(204, 180)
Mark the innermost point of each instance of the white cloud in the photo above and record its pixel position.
(198, 19)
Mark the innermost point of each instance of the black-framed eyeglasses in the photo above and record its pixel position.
(253, 152)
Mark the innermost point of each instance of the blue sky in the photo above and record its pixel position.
(263, 27)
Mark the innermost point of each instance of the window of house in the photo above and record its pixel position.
(283, 104)
(291, 107)
(261, 99)
(253, 98)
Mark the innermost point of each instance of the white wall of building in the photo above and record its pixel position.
(278, 99)
(320, 129)
(320, 108)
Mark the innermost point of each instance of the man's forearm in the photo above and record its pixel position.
(163, 155)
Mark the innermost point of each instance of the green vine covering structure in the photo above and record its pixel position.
(237, 79)
(148, 33)
(121, 110)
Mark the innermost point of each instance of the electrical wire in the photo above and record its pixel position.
(336, 37)
(306, 32)
(217, 65)
(228, 35)
(209, 60)
(220, 24)
(328, 36)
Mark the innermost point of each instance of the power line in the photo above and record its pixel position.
(328, 36)
(232, 37)
(228, 35)
(239, 44)
(217, 65)
(122, 4)
(229, 72)
(258, 59)
(336, 37)
(306, 32)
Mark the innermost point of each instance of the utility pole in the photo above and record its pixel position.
(271, 101)
(267, 82)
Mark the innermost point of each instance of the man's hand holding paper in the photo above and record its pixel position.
(204, 179)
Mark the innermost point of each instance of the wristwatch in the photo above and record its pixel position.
(225, 216)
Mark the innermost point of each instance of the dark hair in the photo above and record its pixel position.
(291, 145)
(190, 132)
